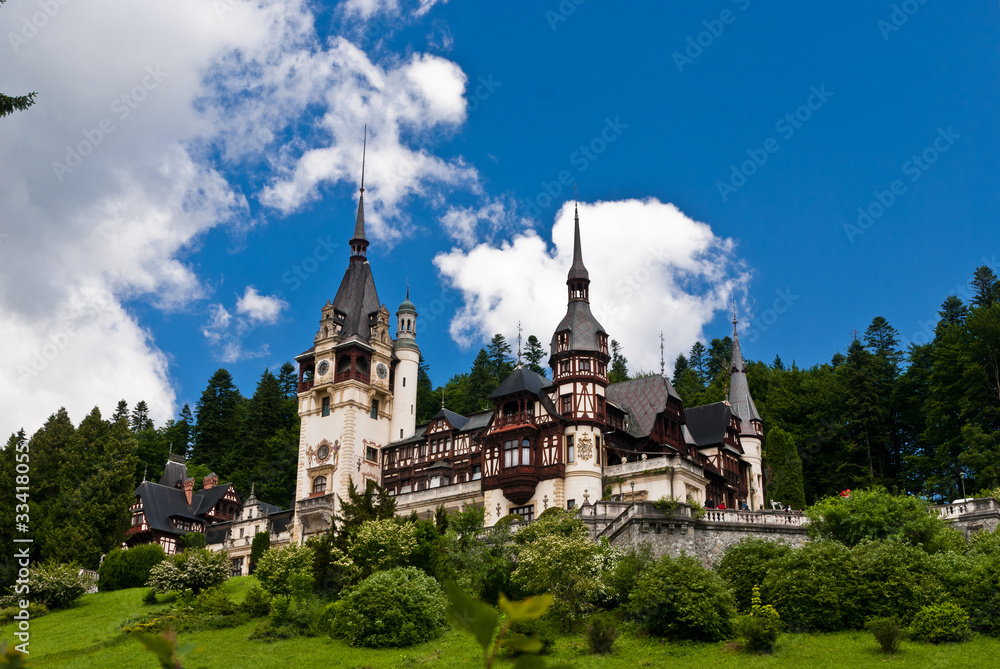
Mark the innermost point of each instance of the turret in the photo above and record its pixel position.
(404, 413)
(751, 426)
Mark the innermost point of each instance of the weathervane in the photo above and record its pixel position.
(364, 151)
(663, 364)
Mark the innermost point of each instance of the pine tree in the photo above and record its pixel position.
(141, 421)
(428, 401)
(219, 427)
(8, 506)
(719, 356)
(619, 364)
(121, 412)
(501, 363)
(953, 310)
(534, 355)
(778, 365)
(288, 381)
(359, 507)
(481, 381)
(985, 287)
(785, 467)
(698, 360)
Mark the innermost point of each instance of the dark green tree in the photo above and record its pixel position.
(8, 505)
(785, 467)
(140, 420)
(359, 507)
(428, 401)
(619, 364)
(288, 381)
(219, 428)
(534, 355)
(778, 364)
(121, 412)
(501, 363)
(985, 287)
(698, 361)
(719, 355)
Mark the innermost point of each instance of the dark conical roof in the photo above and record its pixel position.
(359, 239)
(577, 270)
(739, 389)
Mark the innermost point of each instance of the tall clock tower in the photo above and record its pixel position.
(350, 402)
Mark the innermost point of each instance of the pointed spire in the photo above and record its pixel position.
(144, 471)
(577, 270)
(519, 343)
(359, 242)
(739, 389)
(663, 362)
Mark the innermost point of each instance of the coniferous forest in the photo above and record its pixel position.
(924, 420)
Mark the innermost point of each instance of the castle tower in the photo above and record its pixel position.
(579, 361)
(404, 390)
(346, 393)
(751, 426)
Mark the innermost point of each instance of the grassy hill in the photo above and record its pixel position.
(89, 635)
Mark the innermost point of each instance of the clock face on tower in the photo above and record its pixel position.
(323, 367)
(382, 371)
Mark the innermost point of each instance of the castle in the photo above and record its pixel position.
(558, 442)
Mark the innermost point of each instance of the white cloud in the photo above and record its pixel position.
(651, 268)
(260, 308)
(468, 226)
(108, 183)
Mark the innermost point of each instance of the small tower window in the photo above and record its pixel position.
(319, 485)
(570, 449)
(567, 404)
(326, 406)
(374, 411)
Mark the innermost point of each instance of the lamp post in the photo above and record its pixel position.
(633, 492)
(752, 491)
(961, 475)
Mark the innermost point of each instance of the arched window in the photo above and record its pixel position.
(319, 485)
(525, 452)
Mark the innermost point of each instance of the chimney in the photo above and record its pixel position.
(210, 481)
(188, 489)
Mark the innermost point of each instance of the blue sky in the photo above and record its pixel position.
(725, 147)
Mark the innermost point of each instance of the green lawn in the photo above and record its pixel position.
(88, 636)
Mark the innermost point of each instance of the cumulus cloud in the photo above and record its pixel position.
(468, 226)
(652, 268)
(110, 181)
(260, 308)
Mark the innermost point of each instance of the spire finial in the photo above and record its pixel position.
(442, 397)
(144, 470)
(252, 484)
(663, 363)
(519, 343)
(364, 151)
(578, 271)
(735, 321)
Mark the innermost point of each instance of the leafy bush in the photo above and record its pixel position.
(195, 569)
(815, 587)
(149, 597)
(566, 566)
(623, 573)
(291, 617)
(382, 544)
(57, 586)
(544, 629)
(394, 608)
(876, 514)
(193, 540)
(982, 592)
(261, 544)
(888, 632)
(286, 571)
(555, 522)
(257, 603)
(601, 632)
(678, 598)
(666, 505)
(759, 630)
(894, 579)
(129, 568)
(35, 610)
(941, 622)
(211, 609)
(746, 565)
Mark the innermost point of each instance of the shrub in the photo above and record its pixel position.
(382, 544)
(57, 586)
(332, 569)
(746, 565)
(875, 514)
(678, 598)
(759, 630)
(394, 608)
(888, 632)
(286, 571)
(543, 629)
(291, 617)
(193, 540)
(257, 603)
(601, 631)
(261, 544)
(894, 579)
(567, 567)
(35, 610)
(149, 597)
(195, 569)
(555, 522)
(623, 573)
(982, 592)
(129, 568)
(815, 587)
(666, 505)
(941, 622)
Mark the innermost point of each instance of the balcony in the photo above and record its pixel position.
(516, 419)
(315, 513)
(349, 375)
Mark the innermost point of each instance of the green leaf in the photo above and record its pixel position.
(471, 615)
(530, 662)
(160, 646)
(523, 644)
(528, 609)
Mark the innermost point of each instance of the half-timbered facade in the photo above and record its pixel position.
(164, 511)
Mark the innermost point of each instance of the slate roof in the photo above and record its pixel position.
(519, 380)
(160, 503)
(582, 326)
(707, 424)
(417, 437)
(577, 270)
(356, 300)
(739, 390)
(642, 399)
(478, 421)
(173, 473)
(456, 420)
(203, 500)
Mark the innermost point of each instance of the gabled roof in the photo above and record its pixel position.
(173, 473)
(478, 421)
(160, 503)
(417, 437)
(642, 399)
(520, 380)
(456, 420)
(204, 501)
(708, 423)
